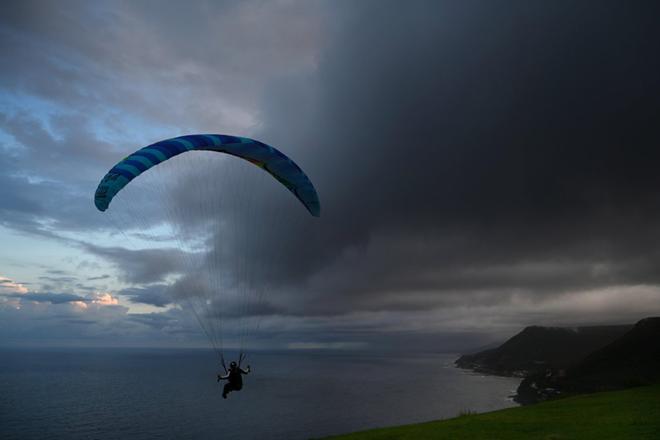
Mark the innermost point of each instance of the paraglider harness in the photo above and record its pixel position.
(241, 357)
(234, 380)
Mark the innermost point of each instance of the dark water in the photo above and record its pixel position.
(169, 394)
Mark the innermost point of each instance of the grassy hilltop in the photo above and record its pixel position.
(628, 414)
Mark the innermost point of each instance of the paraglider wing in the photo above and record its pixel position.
(270, 159)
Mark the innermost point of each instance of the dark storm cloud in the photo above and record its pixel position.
(155, 295)
(141, 266)
(474, 160)
(469, 153)
(250, 308)
(474, 147)
(154, 320)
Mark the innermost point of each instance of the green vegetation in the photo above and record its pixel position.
(628, 414)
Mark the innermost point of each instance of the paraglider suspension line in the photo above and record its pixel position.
(222, 360)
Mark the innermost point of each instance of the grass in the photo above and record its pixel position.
(628, 414)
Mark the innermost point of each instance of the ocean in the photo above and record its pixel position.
(172, 394)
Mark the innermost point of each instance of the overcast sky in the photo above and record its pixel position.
(482, 166)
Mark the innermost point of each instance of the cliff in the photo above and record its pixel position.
(537, 349)
(630, 360)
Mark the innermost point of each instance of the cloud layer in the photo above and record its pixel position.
(480, 166)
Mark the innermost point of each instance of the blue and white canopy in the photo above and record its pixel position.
(270, 159)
